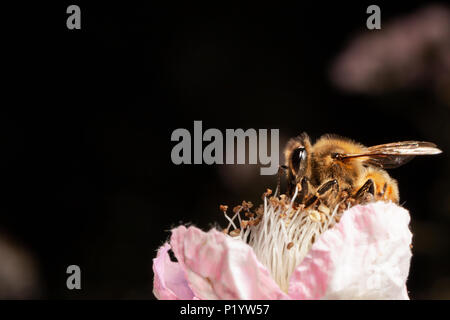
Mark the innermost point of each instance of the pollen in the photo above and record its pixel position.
(235, 232)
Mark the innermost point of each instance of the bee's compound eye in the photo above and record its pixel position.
(298, 156)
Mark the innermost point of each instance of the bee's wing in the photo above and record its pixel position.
(393, 155)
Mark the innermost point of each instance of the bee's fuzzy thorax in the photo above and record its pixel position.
(345, 144)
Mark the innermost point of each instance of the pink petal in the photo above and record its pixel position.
(220, 267)
(169, 281)
(365, 256)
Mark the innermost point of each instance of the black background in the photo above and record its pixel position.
(87, 116)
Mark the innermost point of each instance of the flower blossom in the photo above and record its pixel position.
(284, 252)
(409, 51)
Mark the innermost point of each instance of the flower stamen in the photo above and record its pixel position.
(281, 232)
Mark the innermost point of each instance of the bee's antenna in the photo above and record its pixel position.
(281, 170)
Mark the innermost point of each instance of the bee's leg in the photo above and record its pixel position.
(366, 192)
(304, 190)
(329, 195)
(321, 192)
(327, 186)
(291, 183)
(311, 201)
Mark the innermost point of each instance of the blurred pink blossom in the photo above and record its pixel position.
(411, 50)
(366, 255)
(19, 274)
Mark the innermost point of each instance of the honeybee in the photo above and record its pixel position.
(346, 169)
